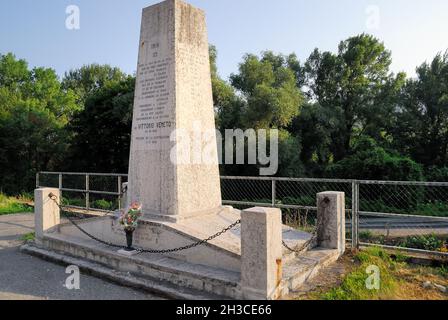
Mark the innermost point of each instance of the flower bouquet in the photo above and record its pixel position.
(129, 220)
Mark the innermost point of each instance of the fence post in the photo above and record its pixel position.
(37, 180)
(274, 192)
(119, 193)
(355, 215)
(87, 192)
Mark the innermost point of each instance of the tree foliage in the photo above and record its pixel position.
(355, 86)
(34, 110)
(421, 124)
(89, 78)
(269, 91)
(342, 114)
(368, 161)
(102, 130)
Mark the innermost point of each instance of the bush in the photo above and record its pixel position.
(371, 162)
(366, 236)
(103, 204)
(74, 202)
(437, 174)
(428, 242)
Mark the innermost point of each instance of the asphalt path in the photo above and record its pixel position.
(23, 277)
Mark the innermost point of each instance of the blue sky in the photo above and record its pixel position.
(415, 30)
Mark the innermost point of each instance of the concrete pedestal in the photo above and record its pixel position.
(261, 253)
(331, 220)
(46, 211)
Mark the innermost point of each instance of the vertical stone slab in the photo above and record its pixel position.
(46, 211)
(331, 220)
(174, 104)
(261, 253)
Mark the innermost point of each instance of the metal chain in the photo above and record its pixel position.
(187, 247)
(302, 247)
(193, 245)
(314, 235)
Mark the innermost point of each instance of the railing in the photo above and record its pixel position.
(91, 191)
(410, 216)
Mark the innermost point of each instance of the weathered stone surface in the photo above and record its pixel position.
(46, 212)
(331, 220)
(161, 268)
(261, 253)
(159, 235)
(173, 92)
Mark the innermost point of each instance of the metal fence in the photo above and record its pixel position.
(410, 216)
(95, 192)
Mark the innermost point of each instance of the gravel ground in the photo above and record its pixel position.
(26, 277)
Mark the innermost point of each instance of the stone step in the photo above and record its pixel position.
(210, 281)
(162, 289)
(306, 266)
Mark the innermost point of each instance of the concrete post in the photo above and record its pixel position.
(46, 211)
(261, 253)
(331, 220)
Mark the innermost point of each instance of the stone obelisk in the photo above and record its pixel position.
(173, 102)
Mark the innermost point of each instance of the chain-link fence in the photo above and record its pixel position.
(412, 215)
(295, 197)
(399, 215)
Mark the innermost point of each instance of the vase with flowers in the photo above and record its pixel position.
(129, 220)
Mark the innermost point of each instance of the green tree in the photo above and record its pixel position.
(421, 129)
(102, 131)
(267, 97)
(269, 90)
(34, 110)
(85, 80)
(313, 128)
(356, 86)
(227, 104)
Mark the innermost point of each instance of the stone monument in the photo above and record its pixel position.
(173, 104)
(174, 174)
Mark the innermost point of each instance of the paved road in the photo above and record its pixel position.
(26, 277)
(402, 223)
(402, 226)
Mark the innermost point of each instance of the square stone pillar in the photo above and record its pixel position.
(331, 220)
(261, 253)
(46, 211)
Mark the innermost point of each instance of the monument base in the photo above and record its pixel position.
(213, 267)
(223, 252)
(167, 275)
(127, 253)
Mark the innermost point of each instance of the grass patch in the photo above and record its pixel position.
(11, 205)
(398, 279)
(28, 237)
(354, 286)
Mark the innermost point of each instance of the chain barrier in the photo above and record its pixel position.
(187, 247)
(314, 236)
(109, 244)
